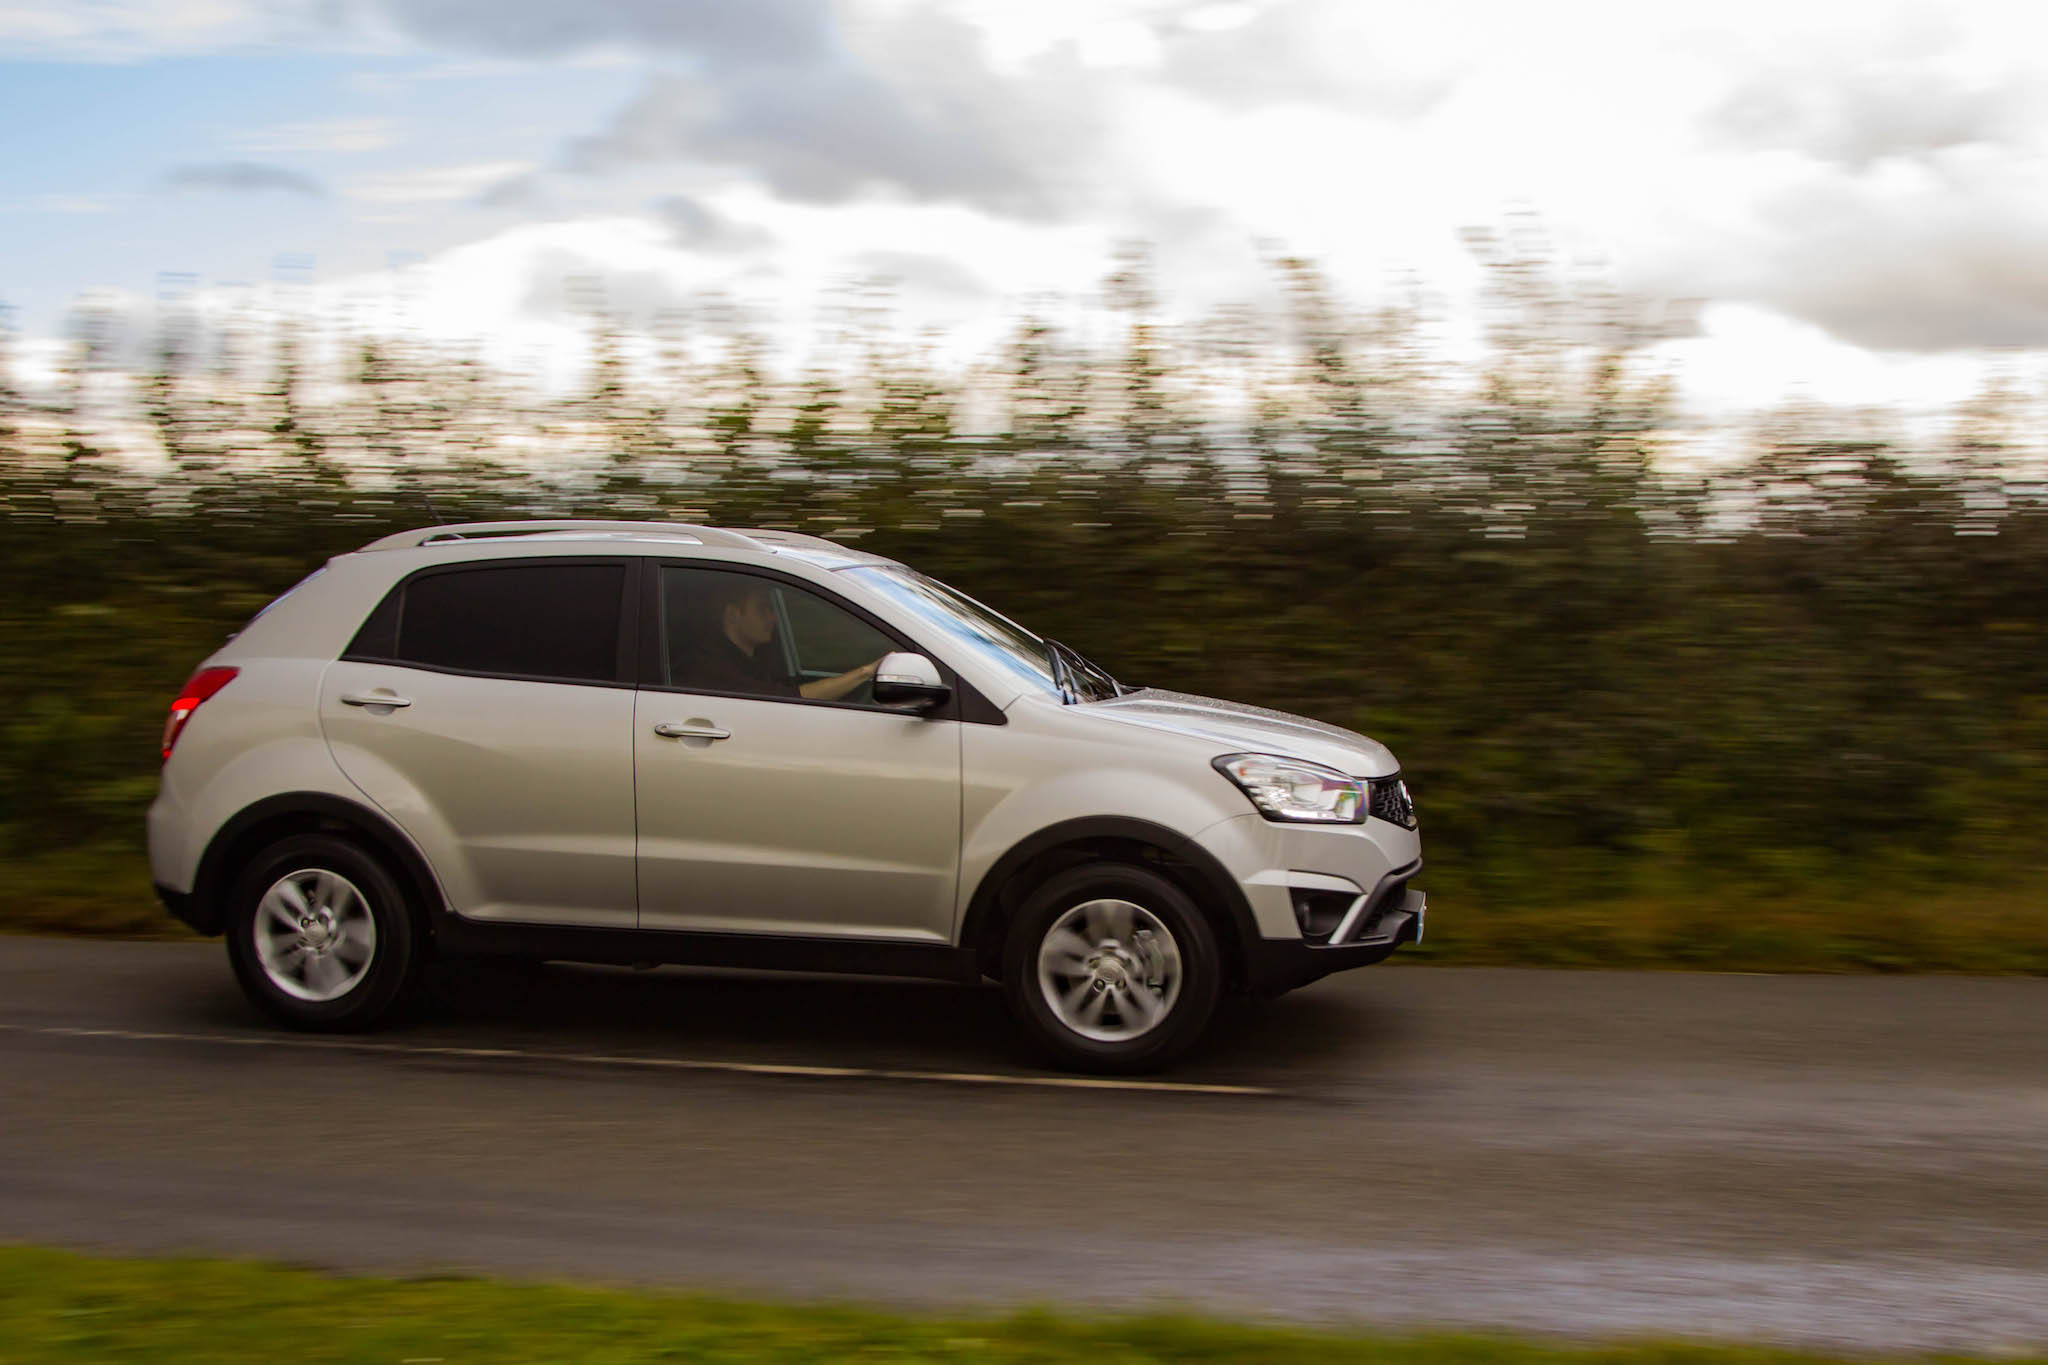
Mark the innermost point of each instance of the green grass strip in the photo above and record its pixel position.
(58, 1306)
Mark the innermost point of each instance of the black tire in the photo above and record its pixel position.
(393, 960)
(1185, 1017)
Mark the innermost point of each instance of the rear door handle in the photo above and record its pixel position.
(373, 699)
(671, 730)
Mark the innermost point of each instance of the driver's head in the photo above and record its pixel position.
(747, 614)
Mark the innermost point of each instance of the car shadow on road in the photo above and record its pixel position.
(827, 1020)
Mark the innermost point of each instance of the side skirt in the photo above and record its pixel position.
(763, 952)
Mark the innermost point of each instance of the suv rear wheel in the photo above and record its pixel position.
(1112, 968)
(320, 935)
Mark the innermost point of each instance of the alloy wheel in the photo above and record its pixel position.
(314, 935)
(1110, 970)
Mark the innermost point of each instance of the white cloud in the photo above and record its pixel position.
(323, 135)
(539, 274)
(1747, 357)
(698, 226)
(437, 184)
(1845, 179)
(523, 297)
(121, 30)
(890, 100)
(1221, 17)
(1928, 255)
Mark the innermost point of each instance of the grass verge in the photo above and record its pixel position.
(89, 890)
(61, 1307)
(1991, 931)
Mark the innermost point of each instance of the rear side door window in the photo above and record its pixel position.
(538, 619)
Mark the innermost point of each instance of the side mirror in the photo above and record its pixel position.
(910, 682)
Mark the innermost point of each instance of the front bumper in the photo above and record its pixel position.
(1323, 898)
(1277, 965)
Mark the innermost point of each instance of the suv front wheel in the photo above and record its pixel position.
(320, 935)
(1112, 968)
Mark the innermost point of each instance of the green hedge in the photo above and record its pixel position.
(1795, 714)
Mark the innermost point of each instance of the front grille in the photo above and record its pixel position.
(1390, 802)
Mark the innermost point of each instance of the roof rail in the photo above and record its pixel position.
(794, 538)
(475, 530)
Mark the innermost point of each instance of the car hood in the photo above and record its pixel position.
(1236, 728)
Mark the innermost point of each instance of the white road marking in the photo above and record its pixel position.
(662, 1063)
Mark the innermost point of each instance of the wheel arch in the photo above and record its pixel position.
(1027, 865)
(257, 826)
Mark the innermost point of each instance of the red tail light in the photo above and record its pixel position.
(202, 685)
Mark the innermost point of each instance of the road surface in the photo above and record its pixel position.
(1836, 1162)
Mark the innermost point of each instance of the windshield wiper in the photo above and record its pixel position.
(1062, 672)
(1070, 668)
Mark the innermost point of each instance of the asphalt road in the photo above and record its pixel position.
(1842, 1162)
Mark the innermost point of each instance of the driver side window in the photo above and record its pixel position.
(746, 635)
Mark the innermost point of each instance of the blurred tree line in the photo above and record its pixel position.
(1786, 709)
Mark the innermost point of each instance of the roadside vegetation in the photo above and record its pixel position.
(1773, 697)
(57, 1307)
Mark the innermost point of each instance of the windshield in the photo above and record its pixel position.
(964, 621)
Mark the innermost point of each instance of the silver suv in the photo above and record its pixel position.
(635, 742)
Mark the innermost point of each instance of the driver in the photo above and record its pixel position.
(733, 657)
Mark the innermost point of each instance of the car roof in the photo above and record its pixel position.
(815, 549)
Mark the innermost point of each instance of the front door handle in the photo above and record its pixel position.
(373, 699)
(671, 730)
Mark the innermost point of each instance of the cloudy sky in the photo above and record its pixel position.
(1857, 195)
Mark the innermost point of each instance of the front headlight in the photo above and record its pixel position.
(1291, 789)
